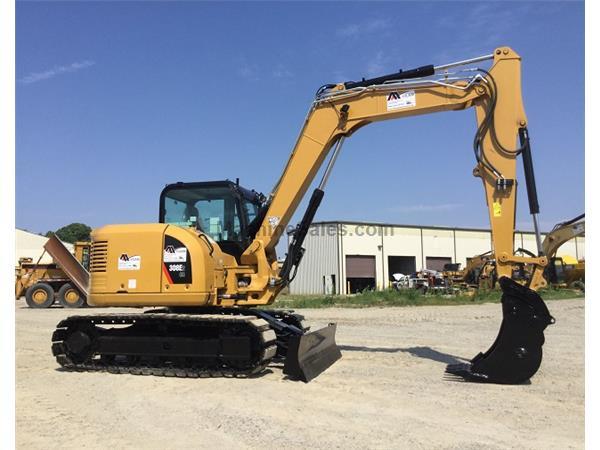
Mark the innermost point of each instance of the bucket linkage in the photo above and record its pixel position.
(516, 354)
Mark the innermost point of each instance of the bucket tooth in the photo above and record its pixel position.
(310, 354)
(516, 354)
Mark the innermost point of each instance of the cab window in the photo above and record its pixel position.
(212, 210)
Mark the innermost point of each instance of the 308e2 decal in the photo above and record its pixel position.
(177, 264)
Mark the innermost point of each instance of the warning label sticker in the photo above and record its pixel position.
(497, 208)
(174, 254)
(396, 100)
(127, 262)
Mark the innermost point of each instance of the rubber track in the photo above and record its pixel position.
(60, 352)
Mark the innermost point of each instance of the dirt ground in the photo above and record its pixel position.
(387, 391)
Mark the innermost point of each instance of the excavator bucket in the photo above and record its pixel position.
(516, 354)
(310, 354)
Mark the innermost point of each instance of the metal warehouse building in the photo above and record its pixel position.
(347, 257)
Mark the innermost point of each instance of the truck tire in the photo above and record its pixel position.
(40, 295)
(70, 297)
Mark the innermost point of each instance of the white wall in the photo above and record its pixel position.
(580, 247)
(568, 248)
(471, 243)
(529, 242)
(31, 245)
(574, 247)
(437, 243)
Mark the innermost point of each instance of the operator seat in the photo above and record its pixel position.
(192, 211)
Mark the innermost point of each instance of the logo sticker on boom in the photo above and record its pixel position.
(273, 221)
(396, 100)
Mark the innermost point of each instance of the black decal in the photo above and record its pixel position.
(177, 261)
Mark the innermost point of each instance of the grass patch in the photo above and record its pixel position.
(392, 297)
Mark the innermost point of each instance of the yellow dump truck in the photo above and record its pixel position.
(63, 280)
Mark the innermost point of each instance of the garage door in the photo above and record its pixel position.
(401, 264)
(360, 266)
(437, 262)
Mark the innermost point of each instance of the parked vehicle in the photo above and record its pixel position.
(43, 284)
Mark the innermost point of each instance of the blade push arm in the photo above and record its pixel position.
(341, 110)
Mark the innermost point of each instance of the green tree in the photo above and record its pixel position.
(72, 233)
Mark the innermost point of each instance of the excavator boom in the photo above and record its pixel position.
(215, 246)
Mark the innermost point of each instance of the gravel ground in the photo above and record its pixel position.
(387, 391)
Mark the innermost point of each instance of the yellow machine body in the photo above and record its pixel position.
(132, 265)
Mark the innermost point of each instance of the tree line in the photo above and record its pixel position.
(72, 233)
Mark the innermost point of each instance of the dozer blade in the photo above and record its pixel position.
(310, 354)
(516, 354)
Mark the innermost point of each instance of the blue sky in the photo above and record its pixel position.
(115, 100)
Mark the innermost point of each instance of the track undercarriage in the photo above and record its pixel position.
(228, 342)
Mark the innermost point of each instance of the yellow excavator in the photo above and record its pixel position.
(557, 272)
(210, 262)
(480, 272)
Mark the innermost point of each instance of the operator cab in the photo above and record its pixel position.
(223, 210)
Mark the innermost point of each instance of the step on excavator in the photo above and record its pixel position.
(210, 265)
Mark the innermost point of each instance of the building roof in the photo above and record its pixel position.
(398, 225)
